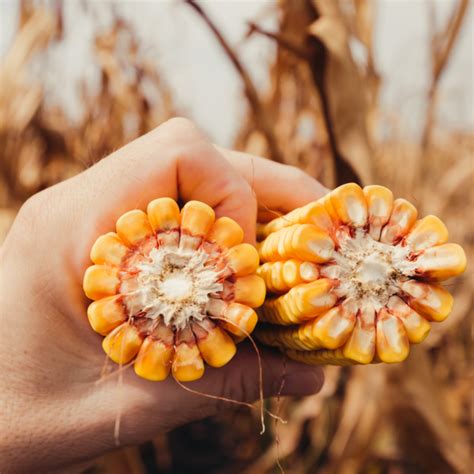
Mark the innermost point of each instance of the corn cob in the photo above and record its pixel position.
(173, 289)
(354, 278)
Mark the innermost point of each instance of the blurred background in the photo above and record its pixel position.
(348, 90)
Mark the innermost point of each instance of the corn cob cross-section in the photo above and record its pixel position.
(173, 289)
(354, 277)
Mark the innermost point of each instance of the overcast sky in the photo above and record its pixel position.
(206, 87)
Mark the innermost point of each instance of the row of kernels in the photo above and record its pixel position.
(300, 241)
(280, 276)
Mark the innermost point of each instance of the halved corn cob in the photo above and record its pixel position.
(354, 278)
(173, 289)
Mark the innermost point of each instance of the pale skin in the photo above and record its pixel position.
(55, 411)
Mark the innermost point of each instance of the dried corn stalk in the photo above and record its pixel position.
(356, 277)
(173, 289)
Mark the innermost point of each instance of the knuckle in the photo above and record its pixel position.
(180, 126)
(244, 194)
(34, 213)
(180, 135)
(30, 208)
(247, 193)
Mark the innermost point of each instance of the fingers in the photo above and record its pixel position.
(153, 407)
(279, 188)
(174, 160)
(240, 379)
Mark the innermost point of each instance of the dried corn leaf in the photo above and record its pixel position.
(346, 92)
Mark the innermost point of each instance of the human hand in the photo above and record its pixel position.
(54, 412)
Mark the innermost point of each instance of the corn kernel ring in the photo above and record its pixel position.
(354, 277)
(173, 289)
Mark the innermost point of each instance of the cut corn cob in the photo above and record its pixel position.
(354, 278)
(173, 289)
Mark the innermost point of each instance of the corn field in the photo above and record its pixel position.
(320, 112)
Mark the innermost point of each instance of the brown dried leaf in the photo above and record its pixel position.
(346, 91)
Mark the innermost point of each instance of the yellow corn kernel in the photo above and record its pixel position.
(249, 290)
(122, 344)
(300, 337)
(392, 341)
(312, 299)
(100, 281)
(308, 272)
(242, 259)
(197, 218)
(301, 303)
(187, 363)
(401, 220)
(417, 328)
(108, 249)
(236, 318)
(427, 232)
(313, 213)
(154, 359)
(305, 337)
(379, 204)
(316, 213)
(360, 346)
(349, 204)
(441, 262)
(164, 214)
(216, 346)
(334, 327)
(133, 227)
(271, 272)
(295, 272)
(301, 241)
(106, 314)
(329, 208)
(226, 233)
(292, 218)
(308, 243)
(431, 301)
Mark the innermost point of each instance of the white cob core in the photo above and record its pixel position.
(367, 269)
(177, 286)
(372, 270)
(174, 284)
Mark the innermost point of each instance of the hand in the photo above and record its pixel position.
(54, 413)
